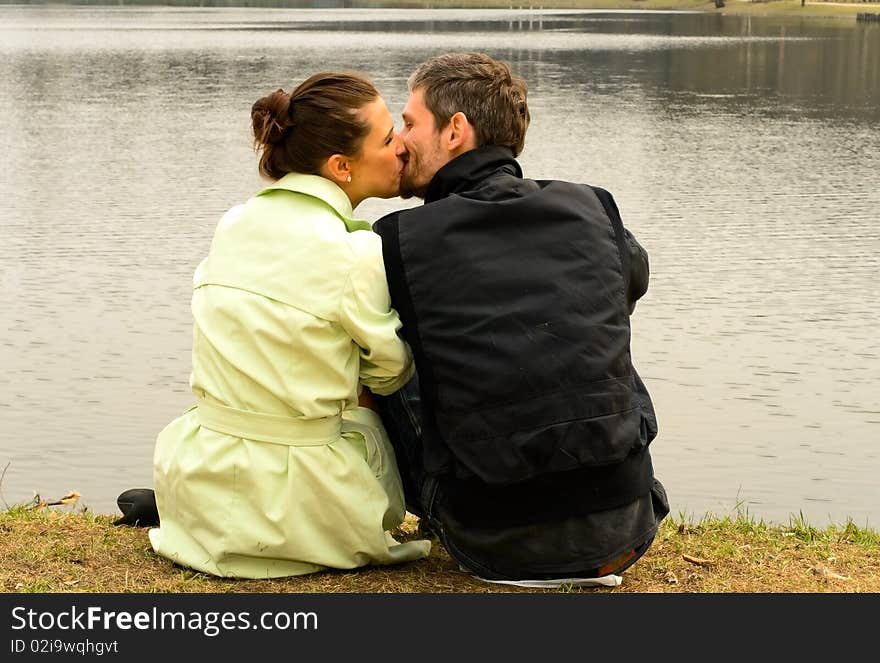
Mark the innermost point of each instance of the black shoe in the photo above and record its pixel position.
(428, 530)
(138, 506)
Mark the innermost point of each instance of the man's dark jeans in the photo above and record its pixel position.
(401, 414)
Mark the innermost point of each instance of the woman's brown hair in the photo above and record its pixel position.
(297, 132)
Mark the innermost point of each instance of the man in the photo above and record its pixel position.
(524, 445)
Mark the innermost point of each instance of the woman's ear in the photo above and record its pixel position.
(461, 136)
(338, 169)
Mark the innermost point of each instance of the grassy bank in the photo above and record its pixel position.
(52, 550)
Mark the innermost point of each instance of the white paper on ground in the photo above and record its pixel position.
(603, 581)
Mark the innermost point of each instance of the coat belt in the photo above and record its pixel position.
(272, 428)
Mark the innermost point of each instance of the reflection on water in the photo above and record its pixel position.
(743, 154)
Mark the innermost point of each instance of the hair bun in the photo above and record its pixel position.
(271, 117)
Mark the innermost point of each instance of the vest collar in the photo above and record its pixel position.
(467, 170)
(324, 190)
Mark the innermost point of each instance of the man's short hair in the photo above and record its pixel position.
(484, 89)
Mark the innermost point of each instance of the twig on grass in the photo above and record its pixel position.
(3, 474)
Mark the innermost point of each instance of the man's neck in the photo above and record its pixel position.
(469, 168)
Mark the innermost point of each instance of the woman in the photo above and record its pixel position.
(277, 471)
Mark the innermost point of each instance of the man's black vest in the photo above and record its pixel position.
(514, 295)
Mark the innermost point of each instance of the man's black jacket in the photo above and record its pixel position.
(515, 296)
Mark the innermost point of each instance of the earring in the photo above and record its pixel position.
(349, 179)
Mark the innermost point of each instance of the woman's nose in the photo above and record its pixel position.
(400, 146)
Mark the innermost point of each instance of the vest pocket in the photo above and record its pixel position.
(557, 447)
(593, 425)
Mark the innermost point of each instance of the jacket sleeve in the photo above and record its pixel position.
(366, 315)
(639, 270)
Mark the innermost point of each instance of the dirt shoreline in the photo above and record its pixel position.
(58, 551)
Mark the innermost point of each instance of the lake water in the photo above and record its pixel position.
(743, 153)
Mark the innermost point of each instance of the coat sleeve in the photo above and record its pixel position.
(639, 271)
(366, 315)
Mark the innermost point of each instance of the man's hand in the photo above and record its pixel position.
(367, 400)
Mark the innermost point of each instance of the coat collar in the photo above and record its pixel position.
(324, 190)
(469, 169)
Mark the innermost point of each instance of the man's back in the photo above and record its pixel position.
(515, 296)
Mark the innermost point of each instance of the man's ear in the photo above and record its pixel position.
(460, 134)
(337, 168)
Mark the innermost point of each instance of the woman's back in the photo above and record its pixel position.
(285, 289)
(276, 471)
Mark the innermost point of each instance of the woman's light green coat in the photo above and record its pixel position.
(276, 471)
